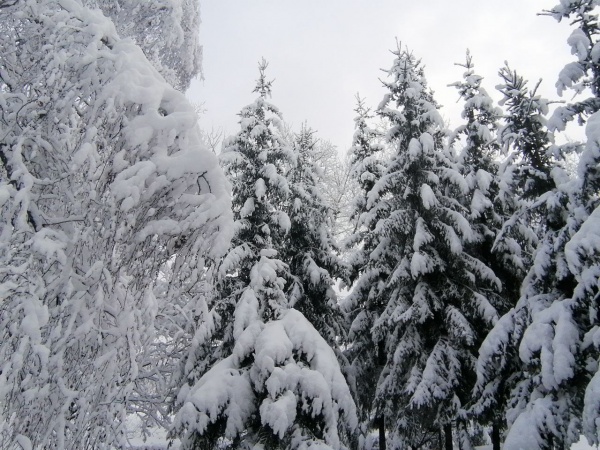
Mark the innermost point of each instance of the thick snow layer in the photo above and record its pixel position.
(291, 365)
(247, 208)
(567, 79)
(260, 189)
(579, 43)
(591, 407)
(422, 235)
(524, 432)
(213, 395)
(428, 196)
(279, 413)
(584, 245)
(420, 264)
(555, 336)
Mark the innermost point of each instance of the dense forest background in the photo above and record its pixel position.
(437, 288)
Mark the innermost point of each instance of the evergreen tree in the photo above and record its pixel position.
(477, 163)
(272, 379)
(581, 74)
(525, 175)
(309, 248)
(526, 136)
(103, 182)
(556, 317)
(367, 166)
(582, 252)
(363, 303)
(429, 282)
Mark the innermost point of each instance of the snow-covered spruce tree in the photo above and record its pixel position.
(273, 380)
(102, 181)
(363, 304)
(582, 252)
(584, 73)
(556, 319)
(525, 138)
(165, 30)
(529, 176)
(309, 248)
(478, 164)
(429, 284)
(367, 165)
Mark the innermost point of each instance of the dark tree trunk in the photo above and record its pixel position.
(495, 435)
(381, 359)
(381, 426)
(448, 437)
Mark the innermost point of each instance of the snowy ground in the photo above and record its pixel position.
(158, 440)
(581, 445)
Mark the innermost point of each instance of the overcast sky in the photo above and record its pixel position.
(322, 52)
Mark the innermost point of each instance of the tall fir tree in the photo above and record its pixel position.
(582, 252)
(556, 318)
(367, 165)
(584, 73)
(363, 304)
(273, 380)
(428, 283)
(478, 164)
(309, 248)
(525, 175)
(525, 138)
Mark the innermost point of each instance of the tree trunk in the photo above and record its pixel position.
(448, 437)
(381, 426)
(381, 359)
(495, 435)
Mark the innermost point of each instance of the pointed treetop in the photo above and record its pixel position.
(398, 50)
(470, 85)
(305, 137)
(263, 87)
(468, 64)
(405, 61)
(363, 111)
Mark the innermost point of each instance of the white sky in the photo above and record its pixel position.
(322, 52)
